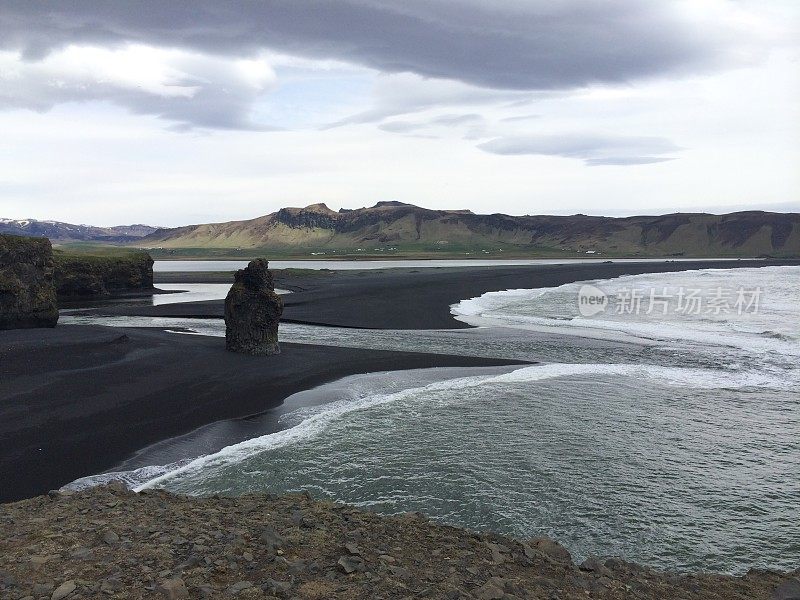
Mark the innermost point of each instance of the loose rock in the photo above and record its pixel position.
(352, 548)
(173, 589)
(351, 564)
(788, 590)
(491, 590)
(595, 565)
(552, 549)
(109, 537)
(171, 544)
(239, 586)
(64, 590)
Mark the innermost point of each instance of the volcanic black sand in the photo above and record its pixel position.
(406, 298)
(76, 400)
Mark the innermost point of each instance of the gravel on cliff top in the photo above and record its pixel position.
(108, 542)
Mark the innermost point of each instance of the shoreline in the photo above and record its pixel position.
(409, 298)
(213, 437)
(160, 254)
(78, 399)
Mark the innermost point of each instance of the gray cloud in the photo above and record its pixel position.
(401, 126)
(594, 150)
(518, 118)
(627, 160)
(533, 45)
(458, 120)
(451, 120)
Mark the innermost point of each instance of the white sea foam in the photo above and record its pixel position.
(775, 328)
(493, 301)
(133, 479)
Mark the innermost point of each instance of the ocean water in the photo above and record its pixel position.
(194, 292)
(667, 435)
(190, 292)
(177, 292)
(197, 266)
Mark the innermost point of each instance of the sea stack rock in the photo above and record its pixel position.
(27, 293)
(252, 311)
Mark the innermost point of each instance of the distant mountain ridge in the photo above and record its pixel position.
(57, 231)
(395, 225)
(399, 227)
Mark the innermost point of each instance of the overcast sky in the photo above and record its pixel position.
(172, 113)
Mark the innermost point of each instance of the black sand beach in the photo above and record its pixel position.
(407, 298)
(77, 400)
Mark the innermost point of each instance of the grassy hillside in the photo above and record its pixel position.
(391, 229)
(102, 271)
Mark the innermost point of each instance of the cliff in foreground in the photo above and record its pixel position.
(108, 542)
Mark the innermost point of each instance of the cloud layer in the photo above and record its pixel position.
(595, 150)
(463, 50)
(508, 44)
(92, 93)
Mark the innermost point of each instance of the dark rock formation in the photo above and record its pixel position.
(85, 276)
(310, 217)
(252, 311)
(27, 295)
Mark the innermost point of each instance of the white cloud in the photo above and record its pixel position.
(188, 88)
(594, 149)
(405, 93)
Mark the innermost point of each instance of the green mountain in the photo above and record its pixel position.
(394, 227)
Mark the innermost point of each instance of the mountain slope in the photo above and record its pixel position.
(67, 232)
(398, 226)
